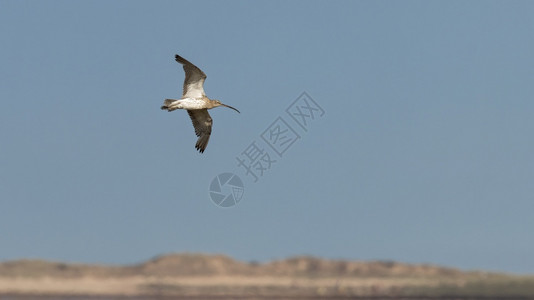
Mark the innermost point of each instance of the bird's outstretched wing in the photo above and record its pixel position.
(194, 79)
(202, 122)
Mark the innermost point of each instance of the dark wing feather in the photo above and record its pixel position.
(194, 79)
(202, 122)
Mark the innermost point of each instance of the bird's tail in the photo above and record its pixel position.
(167, 103)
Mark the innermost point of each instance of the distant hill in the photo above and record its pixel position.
(174, 265)
(201, 275)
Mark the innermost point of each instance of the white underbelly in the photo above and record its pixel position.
(192, 103)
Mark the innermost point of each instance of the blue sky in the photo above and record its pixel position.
(424, 153)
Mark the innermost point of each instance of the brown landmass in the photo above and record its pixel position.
(197, 275)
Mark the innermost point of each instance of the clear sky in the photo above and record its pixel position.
(424, 154)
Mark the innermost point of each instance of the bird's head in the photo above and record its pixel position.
(219, 103)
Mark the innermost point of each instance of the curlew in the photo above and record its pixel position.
(196, 103)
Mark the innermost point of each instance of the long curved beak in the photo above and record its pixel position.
(231, 107)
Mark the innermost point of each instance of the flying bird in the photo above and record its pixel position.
(195, 101)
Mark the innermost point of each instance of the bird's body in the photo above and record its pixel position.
(195, 101)
(187, 103)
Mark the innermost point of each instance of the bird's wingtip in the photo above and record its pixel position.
(180, 59)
